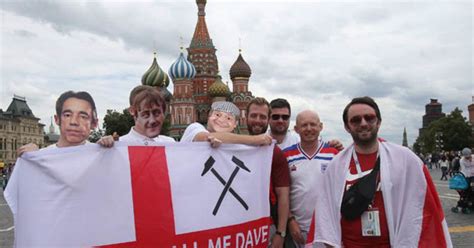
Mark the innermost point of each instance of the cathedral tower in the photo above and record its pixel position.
(182, 106)
(202, 54)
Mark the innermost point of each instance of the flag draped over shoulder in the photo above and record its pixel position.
(414, 214)
(174, 195)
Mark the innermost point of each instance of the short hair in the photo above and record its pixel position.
(361, 100)
(280, 103)
(149, 95)
(83, 95)
(260, 101)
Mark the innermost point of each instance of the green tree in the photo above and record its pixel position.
(115, 121)
(453, 130)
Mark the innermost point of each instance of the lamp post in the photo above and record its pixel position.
(439, 141)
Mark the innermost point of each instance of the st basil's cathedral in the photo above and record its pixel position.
(197, 83)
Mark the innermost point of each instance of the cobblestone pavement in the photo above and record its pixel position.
(461, 225)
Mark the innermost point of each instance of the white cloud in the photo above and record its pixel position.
(317, 54)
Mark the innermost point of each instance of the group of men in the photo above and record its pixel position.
(308, 180)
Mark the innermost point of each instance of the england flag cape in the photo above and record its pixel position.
(414, 214)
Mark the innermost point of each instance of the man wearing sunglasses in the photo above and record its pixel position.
(402, 208)
(279, 123)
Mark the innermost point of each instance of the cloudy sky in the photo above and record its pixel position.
(317, 54)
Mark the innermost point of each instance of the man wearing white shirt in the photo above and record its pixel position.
(147, 107)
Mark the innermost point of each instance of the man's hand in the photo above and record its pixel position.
(295, 232)
(277, 241)
(336, 144)
(261, 140)
(26, 148)
(106, 141)
(215, 142)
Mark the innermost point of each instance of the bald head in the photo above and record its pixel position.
(308, 126)
(307, 114)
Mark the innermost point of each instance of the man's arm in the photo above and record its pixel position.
(232, 138)
(336, 144)
(26, 148)
(280, 176)
(283, 196)
(295, 231)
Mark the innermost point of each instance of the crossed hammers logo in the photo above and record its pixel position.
(227, 185)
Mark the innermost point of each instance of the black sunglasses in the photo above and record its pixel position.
(370, 119)
(283, 117)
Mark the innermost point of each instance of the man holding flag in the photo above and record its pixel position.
(377, 193)
(148, 108)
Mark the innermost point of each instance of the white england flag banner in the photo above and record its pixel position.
(169, 195)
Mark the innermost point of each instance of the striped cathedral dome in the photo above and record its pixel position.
(182, 69)
(218, 88)
(155, 76)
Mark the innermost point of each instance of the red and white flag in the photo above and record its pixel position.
(414, 213)
(175, 195)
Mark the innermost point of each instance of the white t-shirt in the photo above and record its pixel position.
(134, 136)
(307, 173)
(290, 139)
(191, 132)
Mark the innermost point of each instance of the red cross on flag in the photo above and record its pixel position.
(176, 195)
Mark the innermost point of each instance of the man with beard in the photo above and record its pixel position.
(148, 108)
(378, 194)
(258, 111)
(307, 161)
(221, 123)
(279, 123)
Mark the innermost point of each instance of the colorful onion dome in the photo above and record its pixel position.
(182, 69)
(155, 76)
(218, 88)
(240, 68)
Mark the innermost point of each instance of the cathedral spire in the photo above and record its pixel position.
(201, 36)
(51, 127)
(405, 141)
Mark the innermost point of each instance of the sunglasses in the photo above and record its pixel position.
(370, 119)
(283, 117)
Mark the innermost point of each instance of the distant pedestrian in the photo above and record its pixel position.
(467, 164)
(455, 165)
(444, 167)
